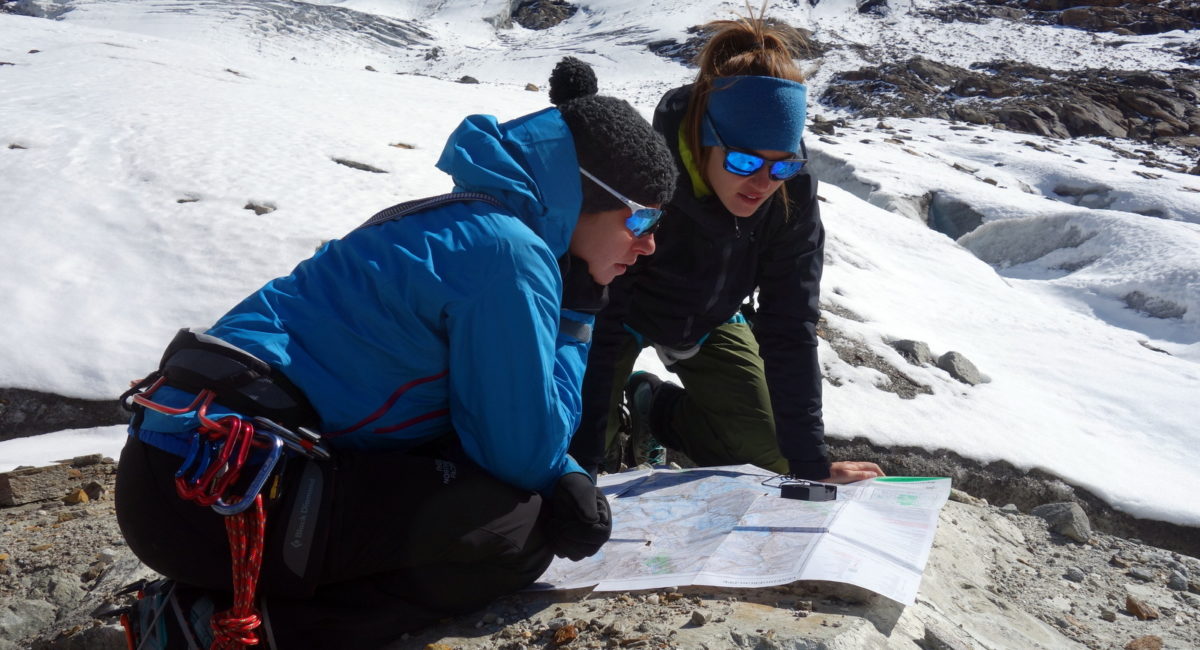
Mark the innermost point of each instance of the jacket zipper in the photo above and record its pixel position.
(726, 253)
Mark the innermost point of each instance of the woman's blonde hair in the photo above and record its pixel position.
(750, 46)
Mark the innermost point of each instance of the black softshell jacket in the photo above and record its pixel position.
(707, 263)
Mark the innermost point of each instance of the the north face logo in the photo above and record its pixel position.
(448, 469)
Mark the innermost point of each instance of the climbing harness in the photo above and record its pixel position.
(219, 462)
(230, 460)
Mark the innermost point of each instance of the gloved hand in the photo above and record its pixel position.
(579, 520)
(580, 291)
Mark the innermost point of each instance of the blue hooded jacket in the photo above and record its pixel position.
(444, 320)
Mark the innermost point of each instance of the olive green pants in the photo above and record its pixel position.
(723, 414)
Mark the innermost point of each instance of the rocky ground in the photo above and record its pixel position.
(997, 577)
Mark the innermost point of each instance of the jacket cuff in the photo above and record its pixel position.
(575, 325)
(569, 466)
(812, 470)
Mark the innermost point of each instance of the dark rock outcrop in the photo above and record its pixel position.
(1158, 106)
(875, 7)
(28, 412)
(1116, 16)
(542, 14)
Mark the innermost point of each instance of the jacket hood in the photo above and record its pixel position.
(528, 164)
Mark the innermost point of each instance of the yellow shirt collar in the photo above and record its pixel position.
(699, 187)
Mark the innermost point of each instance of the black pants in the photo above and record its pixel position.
(407, 540)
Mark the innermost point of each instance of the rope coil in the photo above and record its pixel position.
(236, 627)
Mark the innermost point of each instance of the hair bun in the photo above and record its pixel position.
(571, 79)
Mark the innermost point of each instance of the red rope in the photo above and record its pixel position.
(235, 627)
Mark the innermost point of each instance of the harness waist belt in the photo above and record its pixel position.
(195, 361)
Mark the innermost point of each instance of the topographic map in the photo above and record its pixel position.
(724, 526)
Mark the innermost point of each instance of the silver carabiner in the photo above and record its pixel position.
(264, 472)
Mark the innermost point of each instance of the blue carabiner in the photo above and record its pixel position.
(264, 472)
(195, 456)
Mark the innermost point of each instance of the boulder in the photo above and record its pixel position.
(1155, 105)
(961, 368)
(915, 352)
(943, 637)
(1086, 18)
(21, 618)
(1090, 119)
(32, 484)
(1067, 519)
(1024, 120)
(938, 74)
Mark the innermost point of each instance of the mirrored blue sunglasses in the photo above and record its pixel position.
(745, 163)
(642, 220)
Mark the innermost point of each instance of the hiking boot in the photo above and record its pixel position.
(173, 616)
(639, 397)
(168, 616)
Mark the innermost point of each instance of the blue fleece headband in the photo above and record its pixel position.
(757, 113)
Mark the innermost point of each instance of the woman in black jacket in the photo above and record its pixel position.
(744, 217)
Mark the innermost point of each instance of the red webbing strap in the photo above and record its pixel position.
(235, 627)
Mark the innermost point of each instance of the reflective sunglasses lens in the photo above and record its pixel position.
(785, 169)
(742, 164)
(643, 222)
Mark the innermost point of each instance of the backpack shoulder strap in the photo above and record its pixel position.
(401, 210)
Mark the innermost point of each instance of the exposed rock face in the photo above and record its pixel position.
(1154, 306)
(1116, 16)
(876, 7)
(542, 14)
(27, 412)
(1151, 106)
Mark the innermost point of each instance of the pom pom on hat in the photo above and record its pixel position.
(572, 79)
(612, 141)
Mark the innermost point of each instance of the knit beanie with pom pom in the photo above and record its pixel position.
(612, 141)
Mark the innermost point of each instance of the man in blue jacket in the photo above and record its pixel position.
(438, 350)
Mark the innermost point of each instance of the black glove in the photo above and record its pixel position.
(580, 291)
(579, 521)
